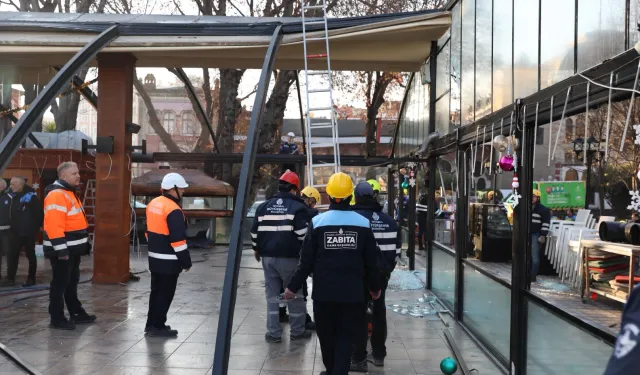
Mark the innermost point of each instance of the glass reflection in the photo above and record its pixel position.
(487, 307)
(525, 47)
(467, 62)
(443, 66)
(556, 347)
(600, 31)
(443, 282)
(634, 12)
(442, 115)
(557, 41)
(502, 47)
(454, 100)
(483, 104)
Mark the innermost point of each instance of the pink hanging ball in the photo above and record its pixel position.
(506, 163)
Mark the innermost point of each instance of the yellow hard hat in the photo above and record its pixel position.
(340, 186)
(374, 184)
(536, 193)
(311, 192)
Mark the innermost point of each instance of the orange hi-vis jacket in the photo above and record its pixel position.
(167, 236)
(65, 224)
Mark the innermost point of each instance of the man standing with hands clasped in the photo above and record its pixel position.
(168, 252)
(66, 239)
(340, 250)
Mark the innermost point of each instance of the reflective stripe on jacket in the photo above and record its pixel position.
(279, 226)
(540, 219)
(167, 236)
(385, 231)
(65, 225)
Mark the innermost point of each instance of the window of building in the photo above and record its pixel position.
(467, 80)
(601, 28)
(525, 47)
(557, 35)
(540, 135)
(169, 121)
(188, 123)
(502, 48)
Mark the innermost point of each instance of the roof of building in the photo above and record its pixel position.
(32, 43)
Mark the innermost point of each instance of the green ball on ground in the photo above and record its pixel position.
(448, 366)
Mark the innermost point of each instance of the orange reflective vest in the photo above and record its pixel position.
(65, 225)
(167, 236)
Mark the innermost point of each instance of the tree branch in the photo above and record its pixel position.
(249, 94)
(178, 7)
(236, 8)
(10, 2)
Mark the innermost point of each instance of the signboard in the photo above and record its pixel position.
(562, 194)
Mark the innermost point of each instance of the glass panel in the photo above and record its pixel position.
(442, 115)
(425, 115)
(634, 11)
(442, 67)
(454, 107)
(483, 58)
(487, 307)
(600, 31)
(502, 47)
(525, 48)
(554, 346)
(443, 282)
(557, 34)
(204, 203)
(468, 63)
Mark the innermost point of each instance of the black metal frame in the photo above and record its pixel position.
(229, 290)
(192, 93)
(236, 158)
(461, 237)
(11, 143)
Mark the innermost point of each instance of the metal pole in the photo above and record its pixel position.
(229, 290)
(589, 193)
(391, 193)
(302, 127)
(520, 249)
(429, 231)
(11, 143)
(411, 222)
(461, 229)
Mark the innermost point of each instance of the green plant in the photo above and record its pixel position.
(49, 127)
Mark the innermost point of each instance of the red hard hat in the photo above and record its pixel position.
(291, 178)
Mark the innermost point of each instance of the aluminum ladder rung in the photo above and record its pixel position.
(317, 109)
(323, 165)
(315, 39)
(315, 91)
(312, 6)
(320, 22)
(323, 125)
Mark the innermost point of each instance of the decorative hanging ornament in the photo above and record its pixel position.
(637, 139)
(637, 173)
(506, 162)
(500, 143)
(412, 182)
(405, 183)
(515, 183)
(635, 200)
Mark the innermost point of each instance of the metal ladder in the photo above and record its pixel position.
(89, 205)
(317, 93)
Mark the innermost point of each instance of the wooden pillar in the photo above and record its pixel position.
(113, 177)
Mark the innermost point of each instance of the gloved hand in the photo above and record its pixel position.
(256, 255)
(542, 239)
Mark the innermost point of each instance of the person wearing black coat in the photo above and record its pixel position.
(27, 216)
(5, 221)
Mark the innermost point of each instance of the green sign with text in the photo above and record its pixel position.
(562, 194)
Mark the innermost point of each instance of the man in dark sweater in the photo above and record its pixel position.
(27, 216)
(540, 219)
(5, 221)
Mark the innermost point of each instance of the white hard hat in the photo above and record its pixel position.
(290, 134)
(172, 180)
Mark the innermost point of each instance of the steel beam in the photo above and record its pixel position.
(347, 160)
(429, 231)
(302, 127)
(520, 249)
(86, 92)
(11, 143)
(14, 119)
(229, 290)
(192, 93)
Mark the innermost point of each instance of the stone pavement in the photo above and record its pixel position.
(116, 343)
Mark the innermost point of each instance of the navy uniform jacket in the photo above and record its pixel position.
(540, 219)
(339, 250)
(625, 359)
(385, 231)
(5, 212)
(279, 226)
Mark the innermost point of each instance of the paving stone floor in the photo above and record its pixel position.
(116, 343)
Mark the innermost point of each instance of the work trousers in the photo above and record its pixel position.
(64, 288)
(337, 326)
(535, 254)
(5, 246)
(13, 257)
(277, 275)
(378, 332)
(163, 288)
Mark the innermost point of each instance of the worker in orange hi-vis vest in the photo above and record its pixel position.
(66, 239)
(168, 252)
